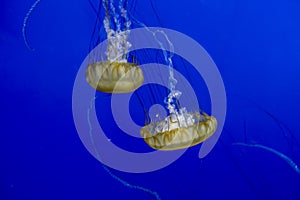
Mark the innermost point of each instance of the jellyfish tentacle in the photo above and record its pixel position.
(281, 155)
(127, 24)
(125, 183)
(94, 35)
(93, 7)
(174, 94)
(25, 24)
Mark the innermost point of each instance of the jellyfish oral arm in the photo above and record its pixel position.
(118, 44)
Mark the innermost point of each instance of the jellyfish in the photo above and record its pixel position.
(115, 74)
(180, 129)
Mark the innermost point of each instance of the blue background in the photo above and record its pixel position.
(255, 45)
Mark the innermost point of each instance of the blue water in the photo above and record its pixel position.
(255, 45)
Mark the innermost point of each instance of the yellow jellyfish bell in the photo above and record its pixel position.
(114, 76)
(174, 132)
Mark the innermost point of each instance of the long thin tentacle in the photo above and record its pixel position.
(281, 155)
(25, 24)
(125, 183)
